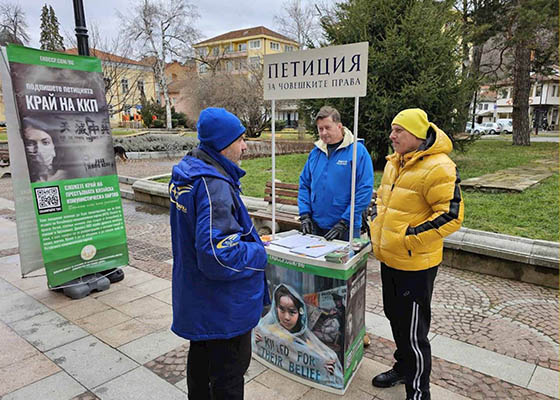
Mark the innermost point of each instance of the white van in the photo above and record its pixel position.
(507, 125)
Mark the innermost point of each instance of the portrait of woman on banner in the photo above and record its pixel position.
(42, 152)
(282, 338)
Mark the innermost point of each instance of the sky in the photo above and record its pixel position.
(216, 16)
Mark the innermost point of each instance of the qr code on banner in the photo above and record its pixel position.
(48, 199)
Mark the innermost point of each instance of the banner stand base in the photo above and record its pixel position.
(81, 287)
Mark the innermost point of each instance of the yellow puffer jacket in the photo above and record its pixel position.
(419, 202)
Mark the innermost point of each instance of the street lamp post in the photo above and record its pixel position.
(81, 30)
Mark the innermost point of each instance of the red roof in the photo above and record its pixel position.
(102, 55)
(248, 32)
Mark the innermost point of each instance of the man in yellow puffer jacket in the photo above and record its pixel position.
(419, 202)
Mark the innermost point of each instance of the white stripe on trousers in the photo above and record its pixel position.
(417, 352)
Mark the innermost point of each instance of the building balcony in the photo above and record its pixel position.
(233, 54)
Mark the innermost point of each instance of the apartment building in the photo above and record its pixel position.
(126, 81)
(242, 51)
(543, 99)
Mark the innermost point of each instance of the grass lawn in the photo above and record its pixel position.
(124, 132)
(533, 213)
(267, 135)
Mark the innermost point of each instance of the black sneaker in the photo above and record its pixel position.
(387, 379)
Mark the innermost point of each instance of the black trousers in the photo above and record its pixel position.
(215, 368)
(407, 297)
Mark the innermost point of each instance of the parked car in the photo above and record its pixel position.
(490, 128)
(477, 128)
(507, 125)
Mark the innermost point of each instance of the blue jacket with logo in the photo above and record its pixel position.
(219, 286)
(325, 183)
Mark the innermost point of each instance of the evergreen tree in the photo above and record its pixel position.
(57, 40)
(50, 36)
(414, 61)
(45, 32)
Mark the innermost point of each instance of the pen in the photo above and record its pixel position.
(315, 246)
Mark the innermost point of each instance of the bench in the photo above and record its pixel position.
(287, 193)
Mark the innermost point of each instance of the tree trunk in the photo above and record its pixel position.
(301, 123)
(521, 88)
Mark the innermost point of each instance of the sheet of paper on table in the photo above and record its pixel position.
(316, 250)
(297, 240)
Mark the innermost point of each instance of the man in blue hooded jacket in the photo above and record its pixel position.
(219, 285)
(325, 182)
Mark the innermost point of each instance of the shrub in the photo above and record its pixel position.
(157, 142)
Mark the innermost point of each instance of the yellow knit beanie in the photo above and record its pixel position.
(413, 120)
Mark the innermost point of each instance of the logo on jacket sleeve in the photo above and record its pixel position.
(230, 241)
(175, 192)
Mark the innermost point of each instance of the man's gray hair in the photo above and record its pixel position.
(328, 111)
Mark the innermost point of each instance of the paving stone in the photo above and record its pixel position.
(30, 282)
(78, 309)
(255, 369)
(160, 318)
(55, 387)
(153, 285)
(13, 348)
(164, 295)
(285, 387)
(493, 364)
(128, 331)
(142, 306)
(121, 296)
(48, 330)
(171, 366)
(90, 361)
(19, 306)
(134, 276)
(8, 233)
(105, 319)
(52, 299)
(545, 381)
(138, 384)
(257, 391)
(36, 368)
(182, 385)
(86, 396)
(151, 346)
(7, 289)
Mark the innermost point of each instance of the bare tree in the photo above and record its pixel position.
(162, 29)
(13, 26)
(299, 21)
(242, 94)
(118, 65)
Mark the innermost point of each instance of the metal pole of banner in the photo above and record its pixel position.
(354, 162)
(81, 30)
(273, 145)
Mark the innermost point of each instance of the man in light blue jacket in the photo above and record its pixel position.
(219, 285)
(325, 182)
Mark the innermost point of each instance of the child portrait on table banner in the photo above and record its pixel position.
(284, 339)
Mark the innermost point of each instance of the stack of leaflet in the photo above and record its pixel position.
(306, 245)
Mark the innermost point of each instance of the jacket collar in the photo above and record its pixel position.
(436, 142)
(346, 141)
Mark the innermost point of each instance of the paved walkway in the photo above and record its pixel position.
(491, 337)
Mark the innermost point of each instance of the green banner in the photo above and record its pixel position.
(67, 143)
(26, 55)
(317, 270)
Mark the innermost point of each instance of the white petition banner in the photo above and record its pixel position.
(336, 71)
